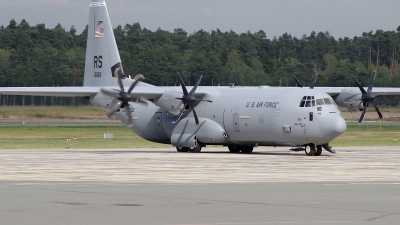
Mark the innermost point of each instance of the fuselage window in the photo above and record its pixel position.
(320, 101)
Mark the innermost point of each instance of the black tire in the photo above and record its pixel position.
(195, 149)
(318, 151)
(247, 149)
(234, 148)
(309, 149)
(182, 149)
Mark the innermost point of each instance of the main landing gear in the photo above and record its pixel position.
(240, 148)
(189, 149)
(196, 148)
(312, 150)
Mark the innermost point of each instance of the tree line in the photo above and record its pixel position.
(40, 56)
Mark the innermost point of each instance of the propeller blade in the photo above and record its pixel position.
(314, 81)
(195, 115)
(114, 109)
(371, 83)
(297, 82)
(180, 114)
(185, 92)
(128, 112)
(136, 79)
(119, 79)
(113, 103)
(195, 86)
(377, 110)
(204, 100)
(362, 114)
(359, 85)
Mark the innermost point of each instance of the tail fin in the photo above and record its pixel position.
(102, 56)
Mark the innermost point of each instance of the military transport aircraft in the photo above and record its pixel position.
(190, 118)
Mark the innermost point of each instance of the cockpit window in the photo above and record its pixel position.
(307, 101)
(327, 101)
(303, 101)
(320, 101)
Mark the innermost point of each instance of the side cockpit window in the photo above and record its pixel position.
(327, 101)
(307, 101)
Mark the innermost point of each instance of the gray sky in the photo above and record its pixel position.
(342, 18)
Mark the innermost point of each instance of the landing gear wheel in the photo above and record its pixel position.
(247, 149)
(197, 146)
(309, 149)
(234, 148)
(195, 149)
(182, 149)
(319, 150)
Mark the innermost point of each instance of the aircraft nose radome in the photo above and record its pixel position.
(331, 126)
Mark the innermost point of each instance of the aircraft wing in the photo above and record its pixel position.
(142, 90)
(334, 91)
(386, 91)
(51, 91)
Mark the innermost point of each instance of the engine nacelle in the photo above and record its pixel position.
(101, 100)
(185, 132)
(168, 101)
(350, 98)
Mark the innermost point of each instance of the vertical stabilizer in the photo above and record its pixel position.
(102, 56)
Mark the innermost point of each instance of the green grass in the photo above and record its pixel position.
(39, 137)
(365, 135)
(42, 137)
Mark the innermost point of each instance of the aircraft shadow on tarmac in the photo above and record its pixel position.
(169, 151)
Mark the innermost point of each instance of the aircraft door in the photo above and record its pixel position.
(310, 126)
(159, 125)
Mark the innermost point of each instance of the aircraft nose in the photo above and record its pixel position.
(331, 126)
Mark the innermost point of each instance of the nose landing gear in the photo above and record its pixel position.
(313, 150)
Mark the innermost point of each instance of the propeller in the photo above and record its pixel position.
(312, 84)
(367, 97)
(122, 97)
(297, 82)
(314, 81)
(188, 99)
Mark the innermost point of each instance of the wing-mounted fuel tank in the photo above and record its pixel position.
(168, 101)
(350, 98)
(185, 133)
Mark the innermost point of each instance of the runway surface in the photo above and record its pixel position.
(357, 185)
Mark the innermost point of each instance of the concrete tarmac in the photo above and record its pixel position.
(160, 186)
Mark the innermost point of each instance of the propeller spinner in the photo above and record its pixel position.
(367, 97)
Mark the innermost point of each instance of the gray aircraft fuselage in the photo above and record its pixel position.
(255, 116)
